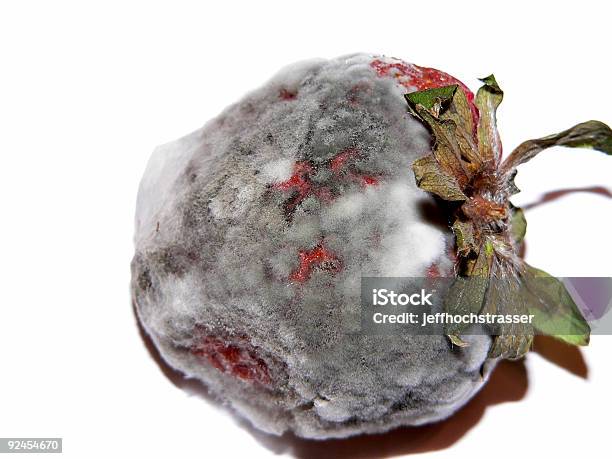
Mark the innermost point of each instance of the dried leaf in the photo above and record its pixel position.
(460, 113)
(511, 187)
(465, 237)
(592, 134)
(510, 346)
(468, 292)
(446, 149)
(511, 341)
(488, 98)
(482, 266)
(465, 296)
(457, 341)
(492, 278)
(431, 177)
(438, 110)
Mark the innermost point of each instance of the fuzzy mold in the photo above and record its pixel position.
(253, 232)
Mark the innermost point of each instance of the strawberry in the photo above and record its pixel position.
(253, 235)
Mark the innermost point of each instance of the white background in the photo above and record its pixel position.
(88, 89)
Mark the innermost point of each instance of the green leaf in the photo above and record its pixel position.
(491, 83)
(488, 98)
(430, 98)
(555, 312)
(518, 224)
(540, 295)
(592, 134)
(430, 177)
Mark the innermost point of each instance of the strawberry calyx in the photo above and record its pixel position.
(468, 171)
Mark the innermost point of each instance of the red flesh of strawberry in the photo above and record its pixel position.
(236, 357)
(421, 78)
(319, 257)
